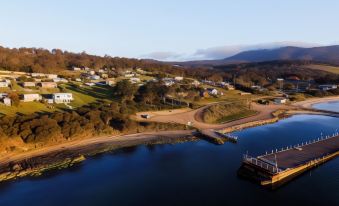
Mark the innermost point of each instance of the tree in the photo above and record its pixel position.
(125, 90)
(14, 98)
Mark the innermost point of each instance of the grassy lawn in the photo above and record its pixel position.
(222, 113)
(240, 115)
(25, 108)
(85, 94)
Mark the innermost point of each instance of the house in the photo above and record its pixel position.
(280, 100)
(178, 78)
(91, 72)
(134, 80)
(95, 77)
(28, 84)
(104, 75)
(328, 87)
(129, 75)
(7, 101)
(195, 83)
(60, 80)
(212, 91)
(110, 82)
(76, 69)
(3, 95)
(37, 75)
(4, 84)
(48, 85)
(51, 76)
(89, 84)
(30, 97)
(78, 80)
(62, 98)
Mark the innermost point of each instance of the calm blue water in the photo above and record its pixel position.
(194, 173)
(331, 106)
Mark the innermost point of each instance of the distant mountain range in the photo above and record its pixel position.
(326, 54)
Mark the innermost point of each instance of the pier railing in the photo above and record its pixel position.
(262, 164)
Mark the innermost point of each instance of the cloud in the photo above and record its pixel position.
(222, 52)
(162, 55)
(227, 51)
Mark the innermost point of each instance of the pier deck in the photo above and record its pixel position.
(280, 166)
(303, 154)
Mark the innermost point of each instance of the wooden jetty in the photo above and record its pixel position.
(216, 137)
(279, 166)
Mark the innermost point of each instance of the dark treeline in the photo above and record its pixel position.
(264, 73)
(94, 119)
(102, 117)
(45, 61)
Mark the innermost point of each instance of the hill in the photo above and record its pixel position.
(328, 54)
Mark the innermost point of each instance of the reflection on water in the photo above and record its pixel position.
(192, 173)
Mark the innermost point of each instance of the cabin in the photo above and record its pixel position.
(280, 100)
(212, 91)
(30, 97)
(4, 84)
(28, 84)
(178, 78)
(48, 85)
(7, 101)
(328, 87)
(51, 76)
(62, 98)
(76, 69)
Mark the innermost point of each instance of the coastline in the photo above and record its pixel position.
(66, 154)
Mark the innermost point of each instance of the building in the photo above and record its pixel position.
(110, 82)
(62, 98)
(76, 69)
(212, 91)
(328, 87)
(37, 75)
(48, 85)
(28, 84)
(7, 101)
(134, 80)
(30, 97)
(51, 76)
(4, 84)
(280, 100)
(95, 77)
(178, 78)
(3, 95)
(63, 80)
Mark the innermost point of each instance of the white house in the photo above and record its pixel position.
(95, 77)
(52, 76)
(328, 87)
(37, 75)
(60, 80)
(30, 97)
(76, 68)
(28, 84)
(4, 84)
(7, 101)
(48, 85)
(212, 91)
(62, 97)
(3, 95)
(178, 78)
(134, 80)
(280, 100)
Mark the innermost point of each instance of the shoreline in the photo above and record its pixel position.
(68, 153)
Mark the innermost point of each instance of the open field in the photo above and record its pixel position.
(332, 69)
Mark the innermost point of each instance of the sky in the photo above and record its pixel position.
(168, 30)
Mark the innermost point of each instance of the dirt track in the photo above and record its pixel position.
(194, 116)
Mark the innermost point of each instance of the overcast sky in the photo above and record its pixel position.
(167, 30)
